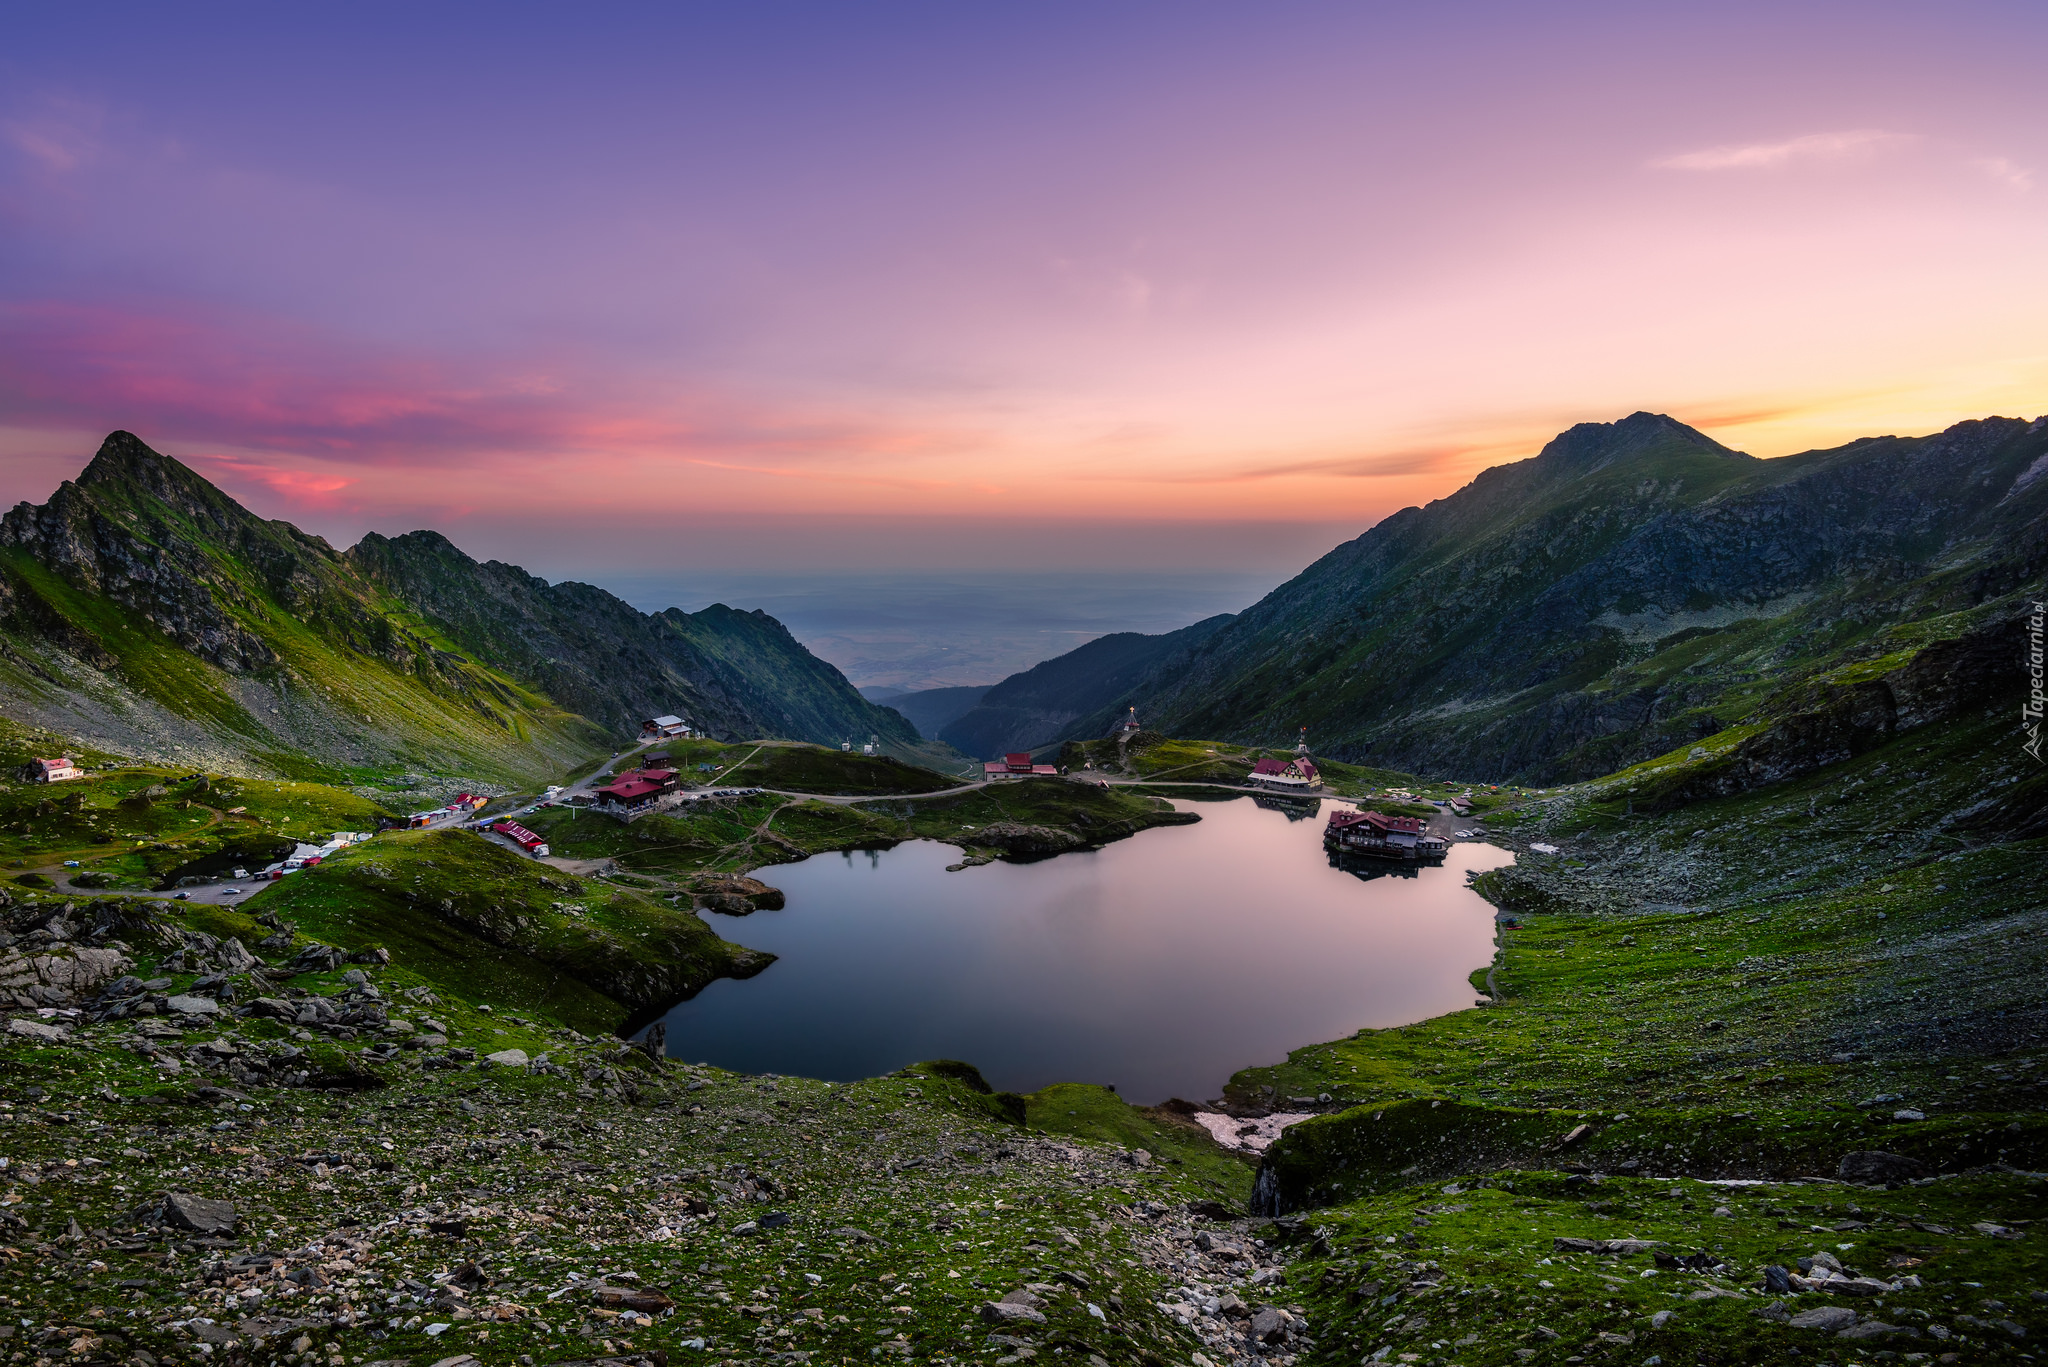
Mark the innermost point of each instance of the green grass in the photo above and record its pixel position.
(751, 833)
(1166, 759)
(791, 766)
(488, 925)
(1748, 986)
(143, 826)
(1085, 1111)
(1473, 1266)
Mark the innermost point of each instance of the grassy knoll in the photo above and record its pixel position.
(138, 826)
(1149, 755)
(798, 767)
(1080, 816)
(481, 921)
(1019, 819)
(794, 767)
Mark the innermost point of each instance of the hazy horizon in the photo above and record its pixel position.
(920, 630)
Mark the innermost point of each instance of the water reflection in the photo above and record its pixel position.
(1161, 964)
(1293, 808)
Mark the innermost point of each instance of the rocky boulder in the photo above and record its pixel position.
(737, 896)
(1015, 838)
(1875, 1167)
(58, 975)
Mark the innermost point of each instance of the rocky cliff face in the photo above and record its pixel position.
(144, 610)
(1632, 587)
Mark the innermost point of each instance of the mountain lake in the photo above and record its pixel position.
(1159, 965)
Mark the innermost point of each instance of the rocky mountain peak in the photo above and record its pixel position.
(1593, 446)
(125, 466)
(125, 460)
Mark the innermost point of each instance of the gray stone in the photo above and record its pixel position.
(507, 1058)
(1875, 1166)
(1870, 1329)
(1612, 1247)
(1828, 1317)
(198, 1214)
(1269, 1325)
(1003, 1312)
(37, 1030)
(193, 1006)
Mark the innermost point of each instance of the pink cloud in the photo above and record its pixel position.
(256, 384)
(1854, 144)
(301, 487)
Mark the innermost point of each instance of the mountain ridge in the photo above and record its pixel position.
(1632, 586)
(143, 606)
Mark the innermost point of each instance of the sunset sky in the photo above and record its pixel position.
(901, 284)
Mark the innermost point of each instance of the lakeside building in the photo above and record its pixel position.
(1382, 837)
(661, 728)
(1016, 766)
(1295, 775)
(53, 770)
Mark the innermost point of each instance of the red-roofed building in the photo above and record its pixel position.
(52, 770)
(1291, 774)
(629, 792)
(1382, 837)
(1016, 766)
(522, 837)
(636, 793)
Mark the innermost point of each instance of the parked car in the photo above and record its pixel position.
(232, 892)
(181, 897)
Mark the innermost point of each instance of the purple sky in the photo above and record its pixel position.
(630, 287)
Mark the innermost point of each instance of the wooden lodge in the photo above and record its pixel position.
(1377, 836)
(1294, 775)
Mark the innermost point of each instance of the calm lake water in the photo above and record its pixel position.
(1161, 964)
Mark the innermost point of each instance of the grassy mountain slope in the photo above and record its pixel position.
(1633, 587)
(144, 611)
(1043, 703)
